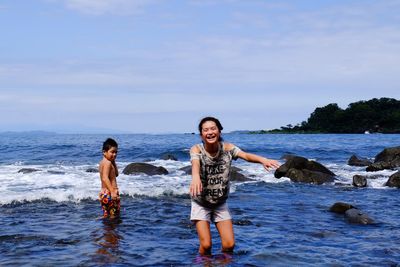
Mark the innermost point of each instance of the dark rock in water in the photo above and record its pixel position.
(359, 181)
(355, 161)
(27, 170)
(169, 157)
(287, 156)
(307, 176)
(394, 180)
(301, 163)
(374, 167)
(388, 154)
(136, 168)
(300, 169)
(352, 214)
(340, 207)
(297, 176)
(389, 158)
(187, 169)
(93, 170)
(358, 217)
(236, 176)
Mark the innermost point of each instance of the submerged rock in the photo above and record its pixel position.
(351, 213)
(56, 172)
(358, 217)
(27, 170)
(242, 222)
(136, 168)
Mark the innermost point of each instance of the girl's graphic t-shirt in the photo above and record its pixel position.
(214, 175)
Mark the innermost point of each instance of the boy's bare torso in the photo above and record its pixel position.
(104, 166)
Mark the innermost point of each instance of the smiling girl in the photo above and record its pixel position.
(211, 162)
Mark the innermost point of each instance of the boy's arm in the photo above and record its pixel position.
(105, 173)
(267, 163)
(116, 168)
(195, 187)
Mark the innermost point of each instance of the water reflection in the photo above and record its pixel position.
(107, 240)
(223, 259)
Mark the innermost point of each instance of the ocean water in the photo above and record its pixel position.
(52, 217)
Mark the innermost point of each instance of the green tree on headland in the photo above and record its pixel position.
(375, 116)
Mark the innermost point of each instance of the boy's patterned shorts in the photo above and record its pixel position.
(111, 207)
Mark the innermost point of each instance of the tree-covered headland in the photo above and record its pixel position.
(375, 116)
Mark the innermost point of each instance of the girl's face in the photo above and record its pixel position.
(111, 154)
(210, 133)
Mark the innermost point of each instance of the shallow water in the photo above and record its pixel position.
(54, 219)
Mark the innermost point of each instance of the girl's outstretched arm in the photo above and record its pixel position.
(267, 163)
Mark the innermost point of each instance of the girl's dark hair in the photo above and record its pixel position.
(217, 122)
(109, 143)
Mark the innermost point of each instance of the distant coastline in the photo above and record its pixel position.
(363, 117)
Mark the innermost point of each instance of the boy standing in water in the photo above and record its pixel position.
(109, 195)
(211, 162)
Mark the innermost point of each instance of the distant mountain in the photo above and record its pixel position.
(372, 116)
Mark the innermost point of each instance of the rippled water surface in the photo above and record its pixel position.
(54, 218)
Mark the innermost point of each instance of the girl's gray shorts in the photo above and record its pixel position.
(200, 213)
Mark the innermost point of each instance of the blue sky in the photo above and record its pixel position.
(158, 66)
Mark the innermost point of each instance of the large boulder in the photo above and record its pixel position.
(394, 180)
(389, 158)
(356, 161)
(300, 169)
(136, 168)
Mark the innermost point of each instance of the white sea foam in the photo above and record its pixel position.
(73, 183)
(345, 175)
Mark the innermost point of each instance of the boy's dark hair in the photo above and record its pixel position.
(109, 143)
(217, 122)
